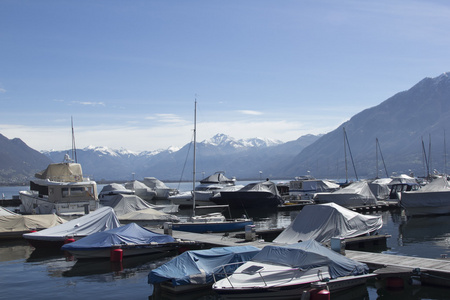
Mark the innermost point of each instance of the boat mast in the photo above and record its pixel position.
(345, 155)
(74, 148)
(194, 162)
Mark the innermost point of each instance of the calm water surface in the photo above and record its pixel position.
(26, 273)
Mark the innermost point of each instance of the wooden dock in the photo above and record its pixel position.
(433, 271)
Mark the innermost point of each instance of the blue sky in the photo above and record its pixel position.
(128, 72)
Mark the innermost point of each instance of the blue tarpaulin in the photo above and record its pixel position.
(198, 266)
(128, 234)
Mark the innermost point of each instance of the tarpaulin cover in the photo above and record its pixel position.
(99, 220)
(131, 234)
(123, 204)
(354, 195)
(65, 172)
(218, 177)
(321, 222)
(6, 212)
(18, 223)
(267, 186)
(198, 266)
(148, 214)
(310, 254)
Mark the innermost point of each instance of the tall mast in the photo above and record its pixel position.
(194, 162)
(74, 148)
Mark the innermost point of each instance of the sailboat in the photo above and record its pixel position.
(213, 222)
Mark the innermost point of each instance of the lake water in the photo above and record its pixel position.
(26, 273)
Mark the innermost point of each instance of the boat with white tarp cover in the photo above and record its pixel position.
(321, 222)
(284, 272)
(100, 220)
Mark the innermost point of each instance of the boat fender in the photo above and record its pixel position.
(319, 294)
(69, 240)
(116, 255)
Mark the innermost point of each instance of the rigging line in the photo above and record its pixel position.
(184, 166)
(382, 158)
(425, 159)
(351, 156)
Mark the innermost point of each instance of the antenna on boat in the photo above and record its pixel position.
(74, 148)
(194, 162)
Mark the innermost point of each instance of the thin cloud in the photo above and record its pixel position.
(89, 103)
(250, 112)
(2, 90)
(169, 118)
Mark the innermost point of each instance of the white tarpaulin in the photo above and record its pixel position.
(321, 222)
(148, 214)
(100, 220)
(123, 204)
(356, 194)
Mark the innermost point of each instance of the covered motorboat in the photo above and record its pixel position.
(111, 190)
(198, 269)
(132, 239)
(13, 226)
(254, 195)
(148, 217)
(431, 199)
(61, 189)
(162, 190)
(288, 271)
(305, 189)
(140, 189)
(100, 220)
(356, 194)
(322, 222)
(124, 204)
(209, 187)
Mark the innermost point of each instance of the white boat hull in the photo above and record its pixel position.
(426, 203)
(32, 204)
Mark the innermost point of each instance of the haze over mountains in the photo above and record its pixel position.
(409, 126)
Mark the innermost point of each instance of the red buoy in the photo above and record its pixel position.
(116, 255)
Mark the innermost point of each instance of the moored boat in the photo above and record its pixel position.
(131, 239)
(100, 220)
(286, 272)
(322, 222)
(198, 269)
(431, 199)
(61, 189)
(262, 194)
(13, 226)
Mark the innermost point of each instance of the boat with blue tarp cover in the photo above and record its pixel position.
(132, 239)
(198, 269)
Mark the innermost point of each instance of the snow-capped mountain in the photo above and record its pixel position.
(217, 153)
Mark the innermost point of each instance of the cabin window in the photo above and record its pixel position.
(77, 191)
(65, 192)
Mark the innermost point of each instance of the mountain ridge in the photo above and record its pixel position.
(403, 124)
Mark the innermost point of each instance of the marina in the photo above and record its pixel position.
(404, 245)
